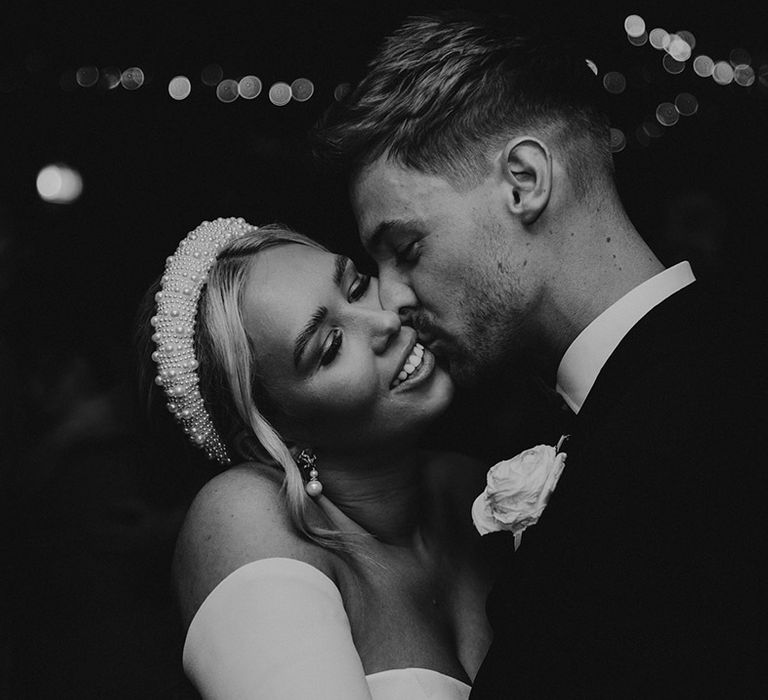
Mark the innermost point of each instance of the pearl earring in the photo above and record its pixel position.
(306, 461)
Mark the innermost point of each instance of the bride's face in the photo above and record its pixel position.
(331, 357)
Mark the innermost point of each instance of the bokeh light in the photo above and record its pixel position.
(132, 78)
(634, 26)
(641, 137)
(686, 104)
(87, 76)
(280, 94)
(703, 66)
(614, 82)
(723, 73)
(672, 65)
(666, 114)
(762, 75)
(678, 48)
(109, 78)
(227, 90)
(652, 129)
(592, 66)
(739, 57)
(659, 38)
(179, 87)
(59, 184)
(212, 74)
(638, 40)
(343, 89)
(302, 89)
(618, 140)
(744, 75)
(249, 87)
(687, 37)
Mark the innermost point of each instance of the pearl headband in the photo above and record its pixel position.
(186, 271)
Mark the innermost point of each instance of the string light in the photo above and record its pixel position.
(249, 87)
(678, 48)
(109, 78)
(132, 78)
(723, 73)
(343, 89)
(687, 37)
(280, 94)
(302, 89)
(87, 76)
(686, 104)
(666, 114)
(763, 75)
(59, 184)
(652, 129)
(659, 38)
(739, 57)
(614, 82)
(180, 87)
(618, 140)
(227, 90)
(744, 75)
(634, 26)
(672, 65)
(703, 66)
(642, 137)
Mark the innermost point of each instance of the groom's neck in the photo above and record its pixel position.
(600, 257)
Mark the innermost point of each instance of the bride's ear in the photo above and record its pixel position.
(527, 171)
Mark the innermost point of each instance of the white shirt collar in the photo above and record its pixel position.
(591, 349)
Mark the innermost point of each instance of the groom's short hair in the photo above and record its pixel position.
(444, 88)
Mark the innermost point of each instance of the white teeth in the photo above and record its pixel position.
(411, 364)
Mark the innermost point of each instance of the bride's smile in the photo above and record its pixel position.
(333, 355)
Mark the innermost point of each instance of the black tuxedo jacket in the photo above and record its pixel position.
(642, 577)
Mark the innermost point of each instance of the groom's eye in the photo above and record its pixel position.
(407, 253)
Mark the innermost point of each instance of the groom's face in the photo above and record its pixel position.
(448, 265)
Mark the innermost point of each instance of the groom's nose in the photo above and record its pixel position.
(397, 295)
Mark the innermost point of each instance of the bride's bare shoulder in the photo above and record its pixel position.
(238, 517)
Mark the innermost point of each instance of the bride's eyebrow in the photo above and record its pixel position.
(305, 335)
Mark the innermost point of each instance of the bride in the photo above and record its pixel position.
(331, 558)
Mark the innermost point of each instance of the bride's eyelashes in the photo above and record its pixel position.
(356, 292)
(359, 288)
(333, 348)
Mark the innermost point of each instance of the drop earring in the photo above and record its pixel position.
(306, 461)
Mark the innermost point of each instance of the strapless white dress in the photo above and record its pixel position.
(276, 629)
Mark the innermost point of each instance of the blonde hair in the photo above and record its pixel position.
(232, 387)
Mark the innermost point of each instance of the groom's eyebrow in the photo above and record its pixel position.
(305, 335)
(391, 228)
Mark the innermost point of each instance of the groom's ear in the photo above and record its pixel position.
(527, 171)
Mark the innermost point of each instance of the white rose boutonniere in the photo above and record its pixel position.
(518, 489)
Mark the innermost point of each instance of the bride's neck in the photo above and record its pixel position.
(384, 494)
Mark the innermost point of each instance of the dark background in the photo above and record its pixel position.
(94, 501)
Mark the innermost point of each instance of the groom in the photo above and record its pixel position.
(482, 181)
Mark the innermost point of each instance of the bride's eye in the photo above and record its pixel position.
(359, 288)
(330, 353)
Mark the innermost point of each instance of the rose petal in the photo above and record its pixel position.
(482, 515)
